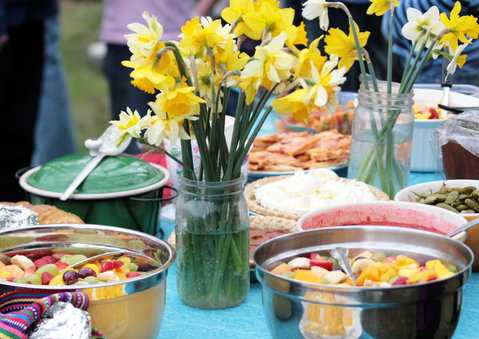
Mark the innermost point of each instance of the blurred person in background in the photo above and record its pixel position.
(22, 53)
(117, 14)
(54, 130)
(432, 73)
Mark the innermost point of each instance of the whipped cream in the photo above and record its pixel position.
(304, 192)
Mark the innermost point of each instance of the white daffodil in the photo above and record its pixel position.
(161, 128)
(313, 9)
(144, 38)
(423, 28)
(458, 59)
(327, 83)
(130, 123)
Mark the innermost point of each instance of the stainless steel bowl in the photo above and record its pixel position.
(295, 309)
(126, 309)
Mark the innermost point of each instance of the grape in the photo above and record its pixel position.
(86, 272)
(72, 259)
(70, 277)
(133, 267)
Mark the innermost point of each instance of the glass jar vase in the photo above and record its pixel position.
(212, 237)
(381, 138)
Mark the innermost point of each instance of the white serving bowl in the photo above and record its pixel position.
(472, 241)
(425, 146)
(387, 213)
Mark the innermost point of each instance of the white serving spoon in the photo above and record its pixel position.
(105, 145)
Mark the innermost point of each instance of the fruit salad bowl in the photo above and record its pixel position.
(299, 309)
(119, 290)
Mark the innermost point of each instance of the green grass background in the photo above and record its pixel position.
(80, 26)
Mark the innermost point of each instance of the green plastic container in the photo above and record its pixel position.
(122, 191)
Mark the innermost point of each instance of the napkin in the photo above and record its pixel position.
(19, 310)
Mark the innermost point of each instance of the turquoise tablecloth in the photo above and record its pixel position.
(247, 321)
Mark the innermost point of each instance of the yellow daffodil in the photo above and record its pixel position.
(178, 101)
(244, 17)
(230, 57)
(461, 28)
(130, 123)
(296, 35)
(344, 46)
(295, 104)
(308, 56)
(270, 65)
(200, 35)
(151, 67)
(458, 59)
(380, 7)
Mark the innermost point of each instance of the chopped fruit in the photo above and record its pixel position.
(133, 274)
(281, 268)
(299, 262)
(46, 277)
(65, 269)
(369, 269)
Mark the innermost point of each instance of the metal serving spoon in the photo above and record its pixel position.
(106, 145)
(458, 109)
(341, 255)
(463, 228)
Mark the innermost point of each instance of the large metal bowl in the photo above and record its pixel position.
(123, 310)
(295, 309)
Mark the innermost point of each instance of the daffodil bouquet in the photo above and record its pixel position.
(432, 34)
(193, 80)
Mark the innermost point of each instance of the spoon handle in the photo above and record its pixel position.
(463, 228)
(81, 176)
(341, 255)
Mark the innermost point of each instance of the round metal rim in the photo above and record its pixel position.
(354, 290)
(93, 196)
(130, 282)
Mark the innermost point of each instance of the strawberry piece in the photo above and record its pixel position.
(314, 256)
(432, 277)
(117, 263)
(107, 266)
(434, 113)
(324, 263)
(40, 262)
(61, 265)
(400, 281)
(50, 259)
(133, 274)
(46, 277)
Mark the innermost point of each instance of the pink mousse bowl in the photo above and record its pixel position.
(393, 213)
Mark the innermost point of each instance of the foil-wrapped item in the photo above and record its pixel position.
(16, 216)
(63, 321)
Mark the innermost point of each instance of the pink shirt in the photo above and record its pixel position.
(117, 14)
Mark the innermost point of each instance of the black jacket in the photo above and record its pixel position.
(15, 12)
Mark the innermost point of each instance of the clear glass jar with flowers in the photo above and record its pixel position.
(193, 80)
(383, 123)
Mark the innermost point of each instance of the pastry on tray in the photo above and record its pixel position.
(47, 214)
(291, 197)
(293, 151)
